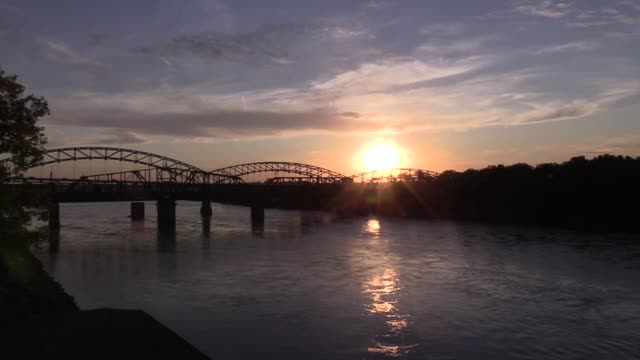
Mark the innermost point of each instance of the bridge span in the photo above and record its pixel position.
(166, 180)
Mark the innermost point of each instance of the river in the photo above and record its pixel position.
(309, 286)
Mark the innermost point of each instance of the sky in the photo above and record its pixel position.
(451, 84)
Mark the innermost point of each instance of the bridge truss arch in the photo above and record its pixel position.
(394, 175)
(161, 175)
(60, 155)
(304, 171)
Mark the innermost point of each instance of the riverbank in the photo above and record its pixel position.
(98, 334)
(41, 321)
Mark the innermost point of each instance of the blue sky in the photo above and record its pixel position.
(453, 84)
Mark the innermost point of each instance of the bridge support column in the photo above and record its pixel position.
(205, 208)
(206, 225)
(54, 216)
(137, 210)
(166, 214)
(205, 213)
(167, 242)
(257, 227)
(257, 213)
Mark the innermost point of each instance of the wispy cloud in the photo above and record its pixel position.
(575, 46)
(573, 15)
(120, 137)
(386, 74)
(266, 42)
(162, 113)
(556, 110)
(61, 53)
(272, 43)
(544, 8)
(342, 28)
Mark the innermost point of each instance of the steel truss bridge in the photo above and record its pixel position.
(162, 169)
(165, 180)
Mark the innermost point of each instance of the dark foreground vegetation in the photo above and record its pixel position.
(599, 193)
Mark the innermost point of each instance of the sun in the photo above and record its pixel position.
(381, 157)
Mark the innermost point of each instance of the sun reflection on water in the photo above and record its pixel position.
(382, 288)
(372, 227)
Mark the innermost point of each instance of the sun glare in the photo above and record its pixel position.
(381, 157)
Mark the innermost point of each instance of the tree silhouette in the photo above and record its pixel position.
(602, 192)
(19, 135)
(21, 138)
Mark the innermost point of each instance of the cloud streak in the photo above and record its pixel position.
(575, 46)
(545, 8)
(211, 122)
(615, 13)
(120, 137)
(272, 42)
(63, 54)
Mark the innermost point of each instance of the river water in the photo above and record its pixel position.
(309, 286)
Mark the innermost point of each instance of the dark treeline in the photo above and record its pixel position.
(603, 192)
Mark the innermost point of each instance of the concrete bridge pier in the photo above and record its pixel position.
(205, 208)
(167, 243)
(137, 210)
(166, 214)
(257, 227)
(257, 213)
(205, 213)
(54, 216)
(206, 225)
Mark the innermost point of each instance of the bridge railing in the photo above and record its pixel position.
(308, 180)
(164, 175)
